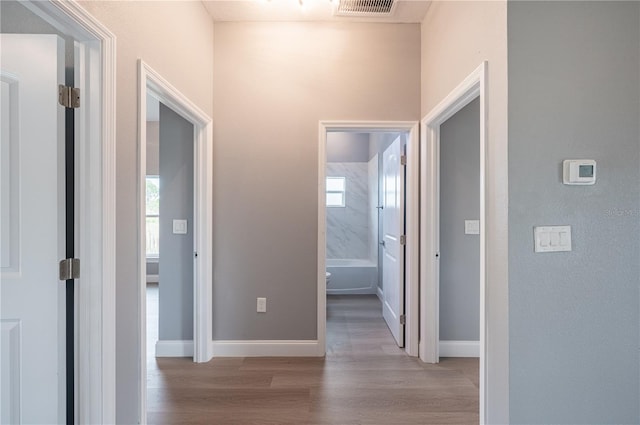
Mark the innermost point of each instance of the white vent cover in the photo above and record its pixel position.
(365, 7)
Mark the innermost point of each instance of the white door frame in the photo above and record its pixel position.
(95, 189)
(474, 86)
(411, 223)
(151, 81)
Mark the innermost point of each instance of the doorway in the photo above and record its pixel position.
(472, 88)
(356, 265)
(169, 231)
(56, 157)
(191, 240)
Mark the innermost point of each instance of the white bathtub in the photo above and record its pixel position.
(352, 276)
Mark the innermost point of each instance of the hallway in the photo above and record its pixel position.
(364, 379)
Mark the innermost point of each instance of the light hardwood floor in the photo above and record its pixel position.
(365, 379)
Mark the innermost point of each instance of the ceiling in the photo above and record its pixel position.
(406, 11)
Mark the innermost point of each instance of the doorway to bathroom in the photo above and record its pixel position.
(367, 217)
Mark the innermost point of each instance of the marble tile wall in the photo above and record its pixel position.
(348, 227)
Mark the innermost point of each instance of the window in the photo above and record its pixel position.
(336, 191)
(153, 216)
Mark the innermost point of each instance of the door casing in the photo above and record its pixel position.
(411, 223)
(151, 81)
(95, 213)
(472, 87)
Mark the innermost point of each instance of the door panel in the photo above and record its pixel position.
(393, 228)
(32, 353)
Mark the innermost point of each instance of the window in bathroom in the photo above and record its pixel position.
(336, 191)
(153, 216)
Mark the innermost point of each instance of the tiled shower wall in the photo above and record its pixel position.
(348, 227)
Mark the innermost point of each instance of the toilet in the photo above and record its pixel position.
(328, 277)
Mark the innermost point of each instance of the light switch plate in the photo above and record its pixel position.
(180, 227)
(552, 238)
(472, 227)
(261, 305)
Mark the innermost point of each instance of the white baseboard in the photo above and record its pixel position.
(174, 349)
(380, 293)
(266, 349)
(153, 278)
(459, 349)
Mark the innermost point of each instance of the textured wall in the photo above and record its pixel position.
(457, 36)
(175, 39)
(347, 146)
(574, 92)
(273, 83)
(460, 201)
(175, 294)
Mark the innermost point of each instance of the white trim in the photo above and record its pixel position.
(174, 349)
(153, 278)
(472, 87)
(150, 80)
(379, 292)
(96, 206)
(269, 348)
(459, 348)
(411, 224)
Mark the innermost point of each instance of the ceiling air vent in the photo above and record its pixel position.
(365, 8)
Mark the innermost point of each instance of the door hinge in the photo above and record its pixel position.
(403, 319)
(403, 159)
(70, 269)
(69, 97)
(403, 240)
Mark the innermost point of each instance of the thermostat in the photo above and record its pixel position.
(579, 171)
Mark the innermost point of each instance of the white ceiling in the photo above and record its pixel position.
(406, 11)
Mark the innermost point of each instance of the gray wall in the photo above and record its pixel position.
(460, 201)
(283, 78)
(152, 148)
(574, 324)
(176, 250)
(457, 36)
(347, 147)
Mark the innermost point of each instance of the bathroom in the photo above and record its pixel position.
(354, 211)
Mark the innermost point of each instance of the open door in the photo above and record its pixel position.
(393, 239)
(32, 234)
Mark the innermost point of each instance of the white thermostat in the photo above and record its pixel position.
(579, 171)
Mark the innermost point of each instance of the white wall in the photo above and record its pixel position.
(456, 38)
(171, 37)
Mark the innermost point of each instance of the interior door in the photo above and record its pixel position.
(393, 248)
(32, 233)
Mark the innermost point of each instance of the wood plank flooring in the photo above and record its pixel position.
(365, 379)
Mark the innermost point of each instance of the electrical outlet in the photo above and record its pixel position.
(261, 305)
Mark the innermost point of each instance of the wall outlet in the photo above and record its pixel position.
(261, 305)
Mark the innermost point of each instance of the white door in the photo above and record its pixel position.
(32, 350)
(393, 229)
